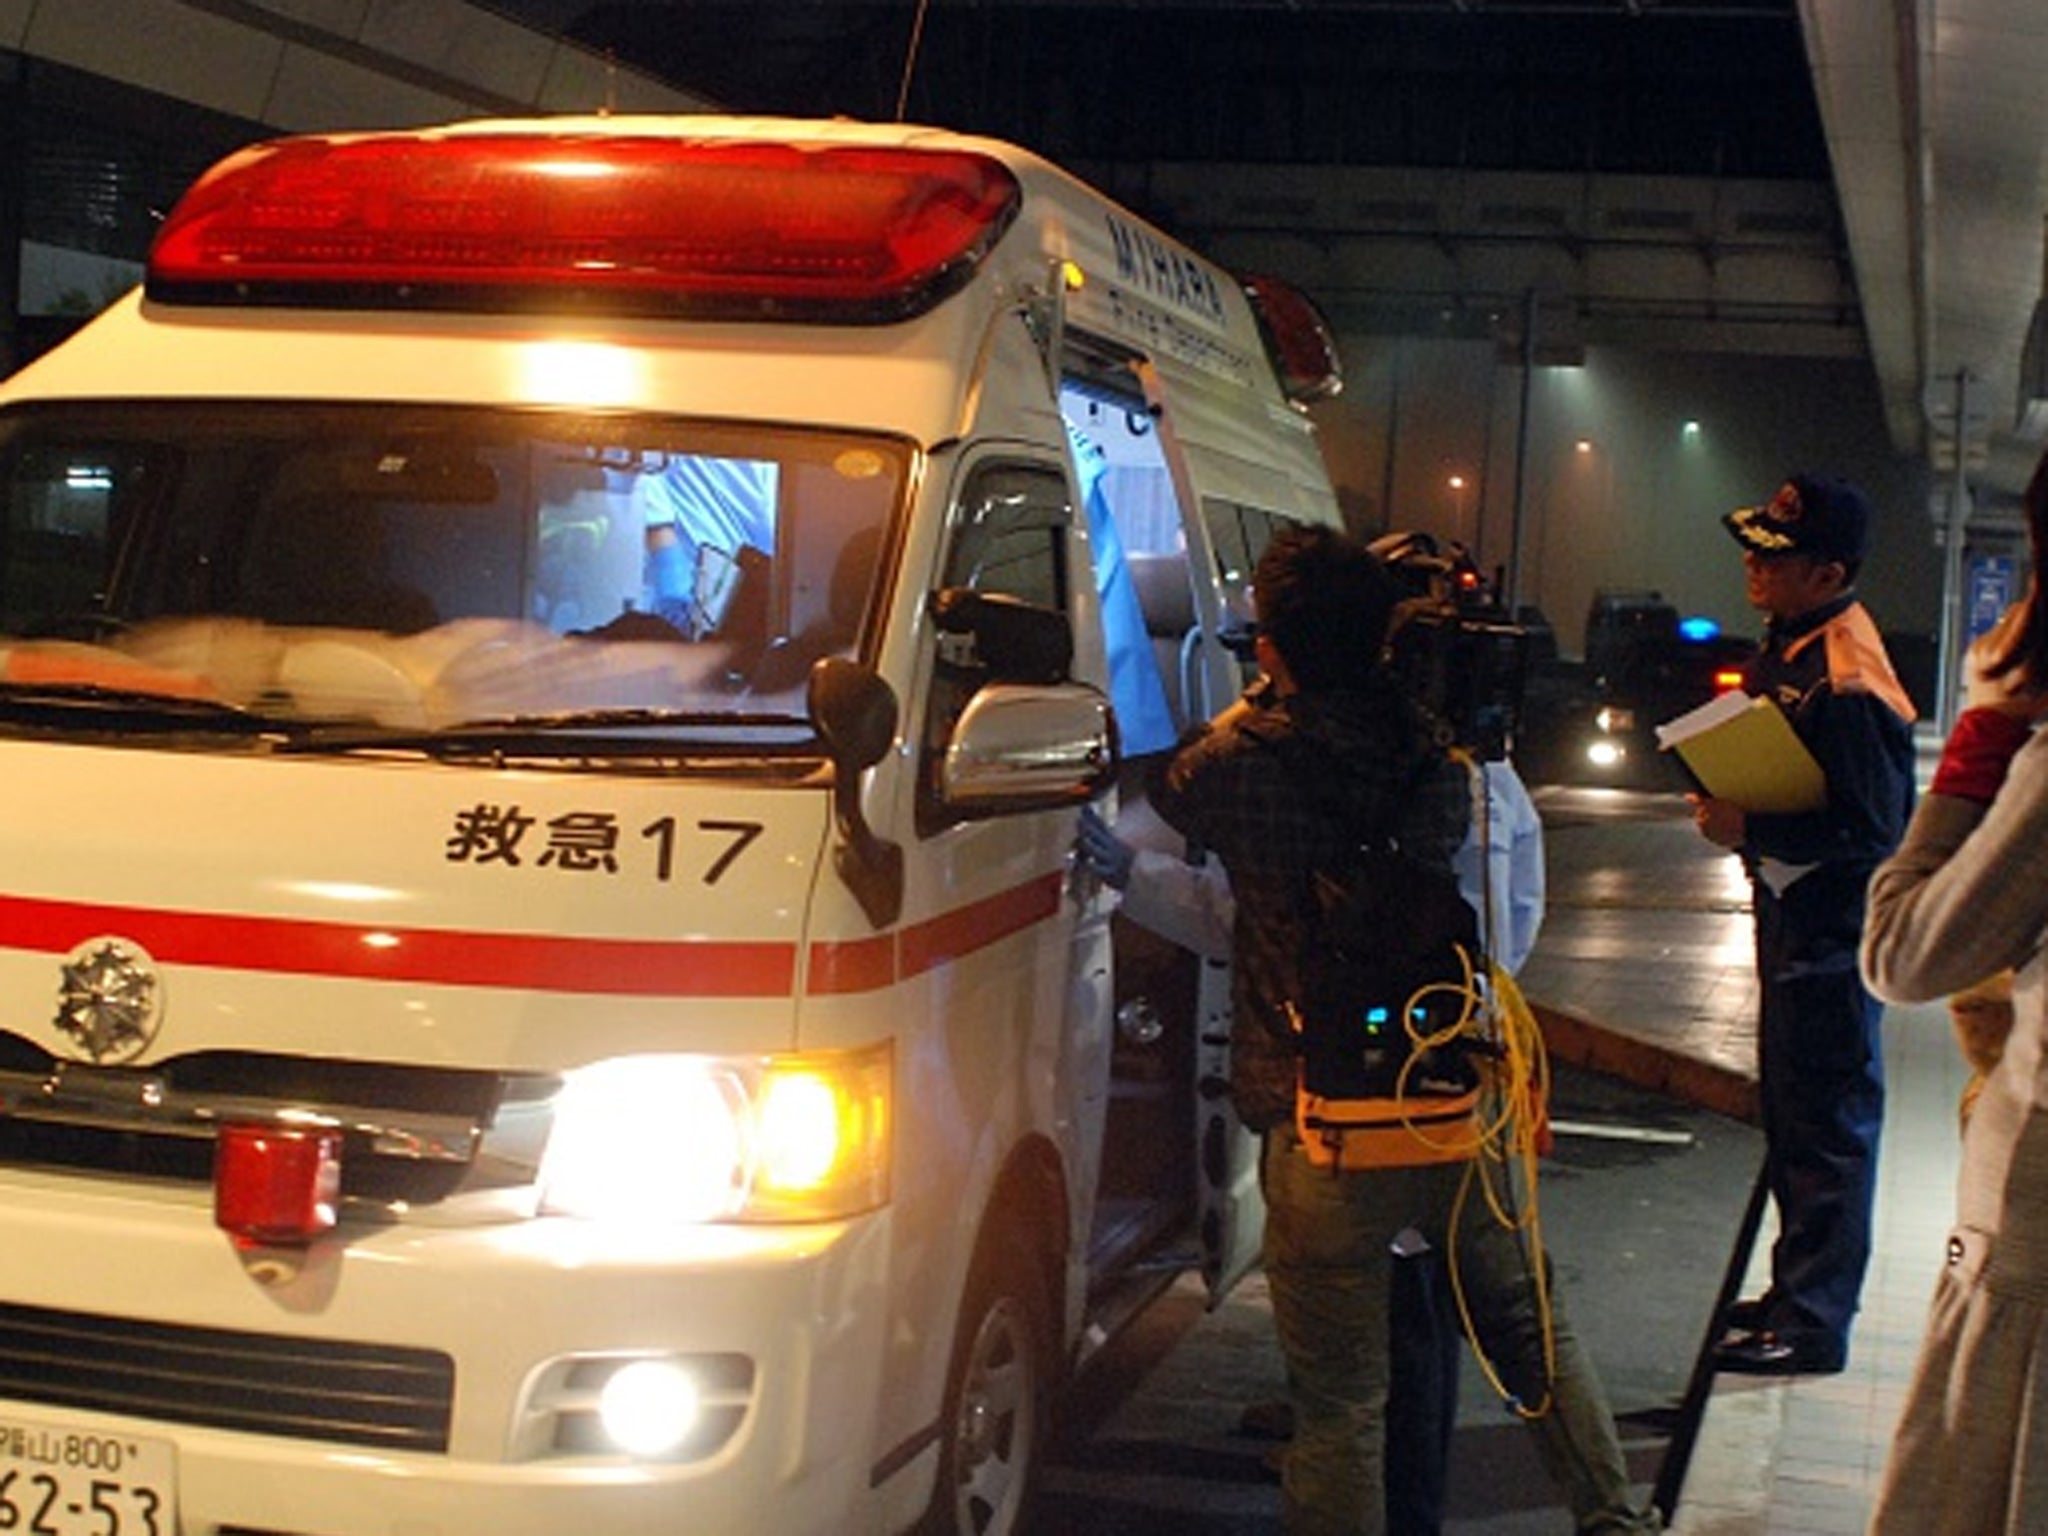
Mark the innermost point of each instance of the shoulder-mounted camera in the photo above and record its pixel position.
(1452, 645)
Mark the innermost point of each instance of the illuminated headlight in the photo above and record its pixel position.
(1614, 721)
(697, 1138)
(1606, 754)
(649, 1407)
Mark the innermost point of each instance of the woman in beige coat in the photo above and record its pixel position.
(1965, 896)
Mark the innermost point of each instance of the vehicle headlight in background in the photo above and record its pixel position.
(1608, 748)
(697, 1138)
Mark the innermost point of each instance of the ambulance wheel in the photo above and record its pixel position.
(992, 1437)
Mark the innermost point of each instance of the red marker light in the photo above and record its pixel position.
(276, 1184)
(1727, 680)
(585, 223)
(1303, 349)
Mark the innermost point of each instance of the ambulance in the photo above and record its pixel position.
(548, 674)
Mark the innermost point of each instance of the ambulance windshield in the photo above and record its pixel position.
(426, 569)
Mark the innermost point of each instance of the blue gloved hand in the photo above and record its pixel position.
(1108, 855)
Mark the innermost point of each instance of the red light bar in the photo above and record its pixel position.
(1727, 680)
(585, 222)
(276, 1185)
(1297, 336)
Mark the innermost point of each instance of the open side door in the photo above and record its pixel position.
(1239, 464)
(1193, 470)
(1242, 463)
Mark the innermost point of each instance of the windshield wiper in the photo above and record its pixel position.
(623, 719)
(556, 733)
(140, 708)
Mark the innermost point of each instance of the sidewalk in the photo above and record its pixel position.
(1645, 970)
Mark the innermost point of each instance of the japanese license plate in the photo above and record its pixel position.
(56, 1481)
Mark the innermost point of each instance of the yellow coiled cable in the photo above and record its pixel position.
(1505, 1133)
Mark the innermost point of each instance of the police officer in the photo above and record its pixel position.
(1819, 1062)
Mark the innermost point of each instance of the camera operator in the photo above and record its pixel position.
(1500, 873)
(1323, 602)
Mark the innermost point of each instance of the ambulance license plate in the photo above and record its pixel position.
(57, 1481)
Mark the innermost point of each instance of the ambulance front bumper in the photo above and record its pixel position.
(428, 1381)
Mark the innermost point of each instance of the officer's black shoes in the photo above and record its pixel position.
(1765, 1352)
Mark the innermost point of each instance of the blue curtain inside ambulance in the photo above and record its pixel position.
(1144, 719)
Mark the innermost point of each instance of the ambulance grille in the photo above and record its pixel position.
(306, 1389)
(183, 1160)
(411, 1133)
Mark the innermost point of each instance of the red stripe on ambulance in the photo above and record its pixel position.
(449, 957)
(539, 962)
(866, 965)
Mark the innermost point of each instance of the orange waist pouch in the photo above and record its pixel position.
(1353, 1134)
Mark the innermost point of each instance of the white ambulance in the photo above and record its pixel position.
(548, 672)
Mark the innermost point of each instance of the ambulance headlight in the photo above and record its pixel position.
(649, 1407)
(696, 1138)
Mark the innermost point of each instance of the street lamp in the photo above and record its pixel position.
(1594, 480)
(1457, 485)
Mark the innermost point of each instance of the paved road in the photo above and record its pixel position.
(1640, 1225)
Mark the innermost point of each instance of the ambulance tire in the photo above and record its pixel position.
(992, 1437)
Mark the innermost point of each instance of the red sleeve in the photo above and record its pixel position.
(1979, 750)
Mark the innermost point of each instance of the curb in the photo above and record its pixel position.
(1583, 1043)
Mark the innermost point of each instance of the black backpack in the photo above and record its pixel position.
(1389, 957)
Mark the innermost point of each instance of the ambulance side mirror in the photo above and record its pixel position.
(855, 713)
(1022, 748)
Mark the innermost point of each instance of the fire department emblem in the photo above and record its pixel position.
(109, 999)
(1786, 507)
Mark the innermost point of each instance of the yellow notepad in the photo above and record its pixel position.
(1743, 749)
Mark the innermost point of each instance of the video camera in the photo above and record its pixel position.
(1453, 645)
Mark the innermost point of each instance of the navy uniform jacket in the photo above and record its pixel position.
(1829, 672)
